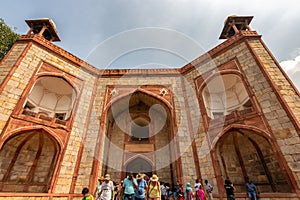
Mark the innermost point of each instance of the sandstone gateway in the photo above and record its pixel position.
(230, 113)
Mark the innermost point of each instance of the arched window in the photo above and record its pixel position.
(224, 94)
(51, 97)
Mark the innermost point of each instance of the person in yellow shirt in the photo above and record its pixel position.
(86, 195)
(154, 192)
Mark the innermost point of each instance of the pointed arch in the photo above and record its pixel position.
(32, 128)
(244, 152)
(146, 110)
(123, 103)
(53, 96)
(29, 159)
(224, 92)
(219, 73)
(139, 164)
(127, 94)
(60, 75)
(141, 156)
(226, 129)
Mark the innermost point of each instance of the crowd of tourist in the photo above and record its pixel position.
(142, 187)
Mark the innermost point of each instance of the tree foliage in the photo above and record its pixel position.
(7, 38)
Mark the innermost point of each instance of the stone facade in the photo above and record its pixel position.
(163, 121)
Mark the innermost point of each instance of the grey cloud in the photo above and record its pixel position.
(84, 24)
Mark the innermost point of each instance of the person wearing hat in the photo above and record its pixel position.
(154, 192)
(98, 187)
(141, 187)
(107, 188)
(129, 185)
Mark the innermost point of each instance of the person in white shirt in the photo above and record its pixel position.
(98, 187)
(107, 188)
(209, 189)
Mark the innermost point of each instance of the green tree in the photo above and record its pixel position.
(7, 38)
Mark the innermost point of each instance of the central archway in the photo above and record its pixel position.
(139, 126)
(139, 165)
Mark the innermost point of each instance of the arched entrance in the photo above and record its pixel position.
(139, 165)
(28, 161)
(139, 125)
(245, 154)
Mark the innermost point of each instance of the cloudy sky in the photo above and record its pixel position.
(90, 28)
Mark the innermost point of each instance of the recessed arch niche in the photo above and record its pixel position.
(139, 110)
(52, 97)
(223, 94)
(28, 161)
(139, 165)
(246, 154)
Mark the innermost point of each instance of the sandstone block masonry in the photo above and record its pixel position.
(194, 130)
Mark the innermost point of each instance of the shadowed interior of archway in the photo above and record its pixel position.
(139, 165)
(245, 154)
(27, 162)
(154, 134)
